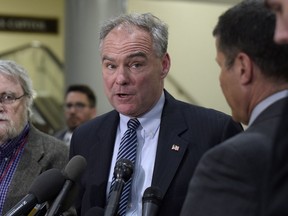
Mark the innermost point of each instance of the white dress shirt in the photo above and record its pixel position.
(147, 137)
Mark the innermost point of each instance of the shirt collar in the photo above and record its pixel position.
(150, 121)
(260, 107)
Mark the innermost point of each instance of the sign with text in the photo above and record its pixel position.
(28, 24)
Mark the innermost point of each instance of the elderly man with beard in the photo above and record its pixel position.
(25, 152)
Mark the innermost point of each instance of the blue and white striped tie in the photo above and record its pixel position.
(127, 150)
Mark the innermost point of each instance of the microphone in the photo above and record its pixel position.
(45, 187)
(70, 198)
(122, 172)
(41, 209)
(151, 201)
(95, 211)
(72, 171)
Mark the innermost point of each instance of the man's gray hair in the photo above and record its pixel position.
(148, 22)
(10, 68)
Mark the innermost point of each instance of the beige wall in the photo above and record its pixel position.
(191, 46)
(37, 8)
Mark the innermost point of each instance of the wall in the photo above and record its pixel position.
(36, 8)
(191, 46)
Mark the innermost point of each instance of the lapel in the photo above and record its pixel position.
(171, 147)
(27, 170)
(103, 148)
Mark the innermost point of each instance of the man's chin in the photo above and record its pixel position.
(72, 127)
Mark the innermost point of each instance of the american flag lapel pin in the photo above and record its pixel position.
(175, 147)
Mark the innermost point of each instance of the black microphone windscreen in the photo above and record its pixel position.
(75, 167)
(47, 185)
(152, 194)
(123, 169)
(95, 211)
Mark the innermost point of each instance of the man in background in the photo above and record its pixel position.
(280, 8)
(234, 177)
(25, 152)
(79, 107)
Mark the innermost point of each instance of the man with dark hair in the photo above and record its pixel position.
(232, 178)
(80, 106)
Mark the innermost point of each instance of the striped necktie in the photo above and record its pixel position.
(127, 150)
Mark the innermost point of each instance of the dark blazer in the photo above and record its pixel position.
(192, 128)
(42, 152)
(231, 179)
(60, 134)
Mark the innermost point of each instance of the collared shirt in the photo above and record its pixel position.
(10, 153)
(147, 137)
(260, 107)
(67, 137)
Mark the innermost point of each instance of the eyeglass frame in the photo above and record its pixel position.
(77, 106)
(10, 101)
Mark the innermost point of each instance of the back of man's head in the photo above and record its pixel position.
(249, 27)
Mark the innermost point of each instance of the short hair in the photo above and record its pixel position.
(85, 90)
(249, 27)
(10, 68)
(148, 22)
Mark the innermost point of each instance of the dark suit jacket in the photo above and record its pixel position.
(231, 179)
(42, 152)
(60, 134)
(193, 129)
(278, 177)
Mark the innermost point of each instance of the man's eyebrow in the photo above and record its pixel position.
(137, 54)
(107, 58)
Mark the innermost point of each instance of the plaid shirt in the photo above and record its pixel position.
(10, 154)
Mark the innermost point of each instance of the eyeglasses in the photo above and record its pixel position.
(76, 106)
(9, 98)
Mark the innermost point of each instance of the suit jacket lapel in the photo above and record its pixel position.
(171, 148)
(102, 152)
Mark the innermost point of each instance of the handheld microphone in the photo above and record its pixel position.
(95, 211)
(45, 187)
(122, 172)
(151, 201)
(41, 209)
(72, 171)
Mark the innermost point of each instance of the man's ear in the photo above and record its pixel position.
(165, 65)
(245, 68)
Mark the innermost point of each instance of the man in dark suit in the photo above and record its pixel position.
(234, 177)
(25, 152)
(172, 135)
(278, 182)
